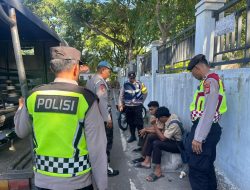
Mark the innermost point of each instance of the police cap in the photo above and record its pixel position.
(66, 53)
(104, 64)
(131, 74)
(200, 58)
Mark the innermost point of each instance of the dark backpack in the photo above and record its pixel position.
(181, 145)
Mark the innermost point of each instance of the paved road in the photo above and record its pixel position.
(131, 178)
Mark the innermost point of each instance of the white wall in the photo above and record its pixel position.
(175, 91)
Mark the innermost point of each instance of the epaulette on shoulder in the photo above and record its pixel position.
(214, 76)
(36, 88)
(90, 93)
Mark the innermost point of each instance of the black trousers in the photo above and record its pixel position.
(90, 187)
(134, 118)
(109, 135)
(201, 166)
(144, 144)
(155, 145)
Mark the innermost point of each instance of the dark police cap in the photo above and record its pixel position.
(162, 111)
(200, 58)
(131, 74)
(66, 53)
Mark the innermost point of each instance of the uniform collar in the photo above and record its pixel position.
(65, 80)
(209, 72)
(100, 77)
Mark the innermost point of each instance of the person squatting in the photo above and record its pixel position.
(166, 133)
(80, 119)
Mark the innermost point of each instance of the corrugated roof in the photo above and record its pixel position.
(30, 26)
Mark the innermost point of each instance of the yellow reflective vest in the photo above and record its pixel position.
(58, 111)
(198, 103)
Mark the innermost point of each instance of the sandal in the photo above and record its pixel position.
(152, 177)
(139, 165)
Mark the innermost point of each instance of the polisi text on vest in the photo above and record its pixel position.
(56, 104)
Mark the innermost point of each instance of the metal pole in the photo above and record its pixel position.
(18, 54)
(19, 64)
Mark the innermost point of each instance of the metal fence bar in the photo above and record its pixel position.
(222, 43)
(247, 51)
(175, 51)
(244, 60)
(227, 41)
(232, 50)
(233, 42)
(239, 31)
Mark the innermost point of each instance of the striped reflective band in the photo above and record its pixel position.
(62, 165)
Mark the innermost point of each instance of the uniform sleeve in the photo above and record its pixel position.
(144, 91)
(96, 142)
(23, 126)
(211, 88)
(145, 96)
(121, 96)
(102, 93)
(171, 131)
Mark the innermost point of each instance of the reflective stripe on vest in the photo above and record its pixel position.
(63, 166)
(198, 103)
(58, 121)
(133, 93)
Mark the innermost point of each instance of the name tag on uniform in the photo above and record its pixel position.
(56, 104)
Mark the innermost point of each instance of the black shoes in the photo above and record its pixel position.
(112, 173)
(138, 160)
(131, 139)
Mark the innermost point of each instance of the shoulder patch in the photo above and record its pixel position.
(206, 85)
(102, 88)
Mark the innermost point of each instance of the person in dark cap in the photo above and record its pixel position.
(166, 139)
(207, 107)
(69, 136)
(98, 85)
(132, 95)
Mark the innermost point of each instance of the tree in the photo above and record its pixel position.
(115, 30)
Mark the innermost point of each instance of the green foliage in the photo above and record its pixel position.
(113, 30)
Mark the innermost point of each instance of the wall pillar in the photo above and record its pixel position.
(205, 26)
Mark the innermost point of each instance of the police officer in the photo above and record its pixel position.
(207, 107)
(131, 98)
(69, 139)
(98, 85)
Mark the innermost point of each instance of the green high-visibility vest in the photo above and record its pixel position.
(58, 111)
(198, 103)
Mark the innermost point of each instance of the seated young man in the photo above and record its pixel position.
(152, 107)
(166, 139)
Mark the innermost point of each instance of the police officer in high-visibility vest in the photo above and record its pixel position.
(98, 86)
(132, 95)
(67, 127)
(207, 107)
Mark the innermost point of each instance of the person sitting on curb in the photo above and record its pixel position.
(152, 107)
(166, 139)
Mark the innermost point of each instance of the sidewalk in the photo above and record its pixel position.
(132, 178)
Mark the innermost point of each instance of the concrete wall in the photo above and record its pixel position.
(233, 154)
